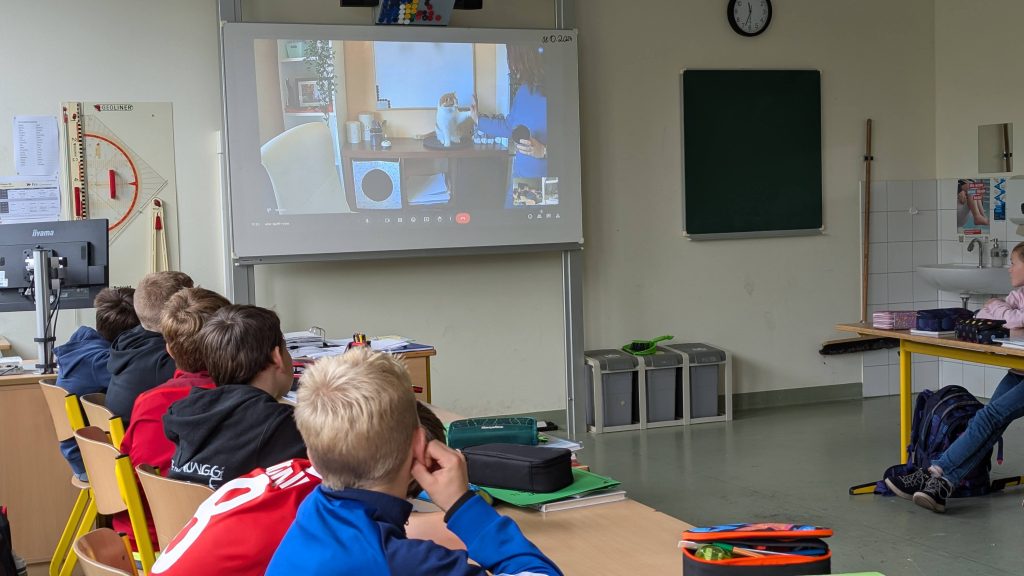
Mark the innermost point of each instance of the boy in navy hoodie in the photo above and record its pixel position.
(82, 361)
(225, 432)
(138, 358)
(357, 414)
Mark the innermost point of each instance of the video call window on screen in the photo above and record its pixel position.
(404, 124)
(354, 125)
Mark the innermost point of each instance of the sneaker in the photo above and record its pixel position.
(933, 495)
(905, 485)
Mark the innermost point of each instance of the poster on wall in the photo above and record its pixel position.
(972, 206)
(999, 199)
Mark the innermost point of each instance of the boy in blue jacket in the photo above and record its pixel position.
(82, 361)
(357, 414)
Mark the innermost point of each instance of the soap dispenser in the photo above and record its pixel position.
(997, 254)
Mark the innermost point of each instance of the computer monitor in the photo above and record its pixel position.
(81, 247)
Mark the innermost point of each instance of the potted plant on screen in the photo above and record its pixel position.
(319, 59)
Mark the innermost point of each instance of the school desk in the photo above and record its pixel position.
(35, 481)
(910, 344)
(623, 537)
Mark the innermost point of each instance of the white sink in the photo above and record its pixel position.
(967, 279)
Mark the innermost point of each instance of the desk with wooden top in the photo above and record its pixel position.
(624, 537)
(992, 355)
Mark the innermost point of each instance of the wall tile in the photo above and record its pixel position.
(901, 195)
(876, 358)
(901, 287)
(951, 372)
(876, 381)
(974, 379)
(894, 356)
(894, 380)
(878, 289)
(878, 257)
(925, 252)
(925, 376)
(926, 194)
(923, 290)
(878, 196)
(950, 252)
(901, 227)
(872, 308)
(925, 304)
(947, 225)
(992, 378)
(901, 256)
(926, 225)
(879, 227)
(947, 194)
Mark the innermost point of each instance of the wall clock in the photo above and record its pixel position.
(749, 17)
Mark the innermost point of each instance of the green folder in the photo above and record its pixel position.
(583, 481)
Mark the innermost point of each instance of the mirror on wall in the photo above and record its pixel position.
(995, 148)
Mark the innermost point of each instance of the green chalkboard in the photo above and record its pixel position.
(751, 152)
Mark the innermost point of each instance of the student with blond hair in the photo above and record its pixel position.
(357, 414)
(138, 358)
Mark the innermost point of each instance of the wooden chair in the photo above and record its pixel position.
(105, 553)
(96, 411)
(172, 502)
(114, 487)
(67, 416)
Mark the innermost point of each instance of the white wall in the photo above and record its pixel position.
(123, 50)
(772, 301)
(978, 63)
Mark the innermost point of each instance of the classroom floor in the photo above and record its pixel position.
(795, 464)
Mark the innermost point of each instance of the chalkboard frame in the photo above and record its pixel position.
(759, 133)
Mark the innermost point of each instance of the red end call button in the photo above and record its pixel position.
(462, 218)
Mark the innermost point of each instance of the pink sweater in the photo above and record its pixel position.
(1011, 309)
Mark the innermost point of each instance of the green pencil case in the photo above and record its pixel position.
(505, 430)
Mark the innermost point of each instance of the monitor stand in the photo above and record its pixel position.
(44, 332)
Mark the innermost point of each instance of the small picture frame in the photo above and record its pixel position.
(309, 96)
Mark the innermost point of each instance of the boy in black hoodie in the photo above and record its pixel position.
(228, 431)
(138, 358)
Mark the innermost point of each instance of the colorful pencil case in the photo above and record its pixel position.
(768, 549)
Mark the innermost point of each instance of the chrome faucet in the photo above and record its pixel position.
(981, 252)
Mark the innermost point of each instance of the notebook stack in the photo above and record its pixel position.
(894, 319)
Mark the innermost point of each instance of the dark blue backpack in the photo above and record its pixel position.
(940, 417)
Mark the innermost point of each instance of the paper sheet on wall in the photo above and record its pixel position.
(29, 200)
(36, 147)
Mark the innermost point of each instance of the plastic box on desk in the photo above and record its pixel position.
(613, 387)
(662, 383)
(707, 378)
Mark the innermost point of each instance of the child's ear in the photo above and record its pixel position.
(419, 447)
(169, 353)
(275, 357)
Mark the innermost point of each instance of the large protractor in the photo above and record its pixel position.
(112, 180)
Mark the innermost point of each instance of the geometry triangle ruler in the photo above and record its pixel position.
(105, 177)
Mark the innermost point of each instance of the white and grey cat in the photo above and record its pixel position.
(449, 118)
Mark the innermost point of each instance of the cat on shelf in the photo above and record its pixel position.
(449, 119)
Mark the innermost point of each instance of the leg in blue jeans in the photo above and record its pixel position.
(1006, 405)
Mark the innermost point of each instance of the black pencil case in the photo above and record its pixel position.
(981, 330)
(519, 467)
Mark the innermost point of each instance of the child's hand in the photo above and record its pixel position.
(532, 147)
(443, 474)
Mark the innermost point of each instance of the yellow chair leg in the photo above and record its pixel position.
(64, 545)
(136, 513)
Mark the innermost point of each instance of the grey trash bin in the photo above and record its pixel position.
(707, 376)
(612, 381)
(663, 379)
